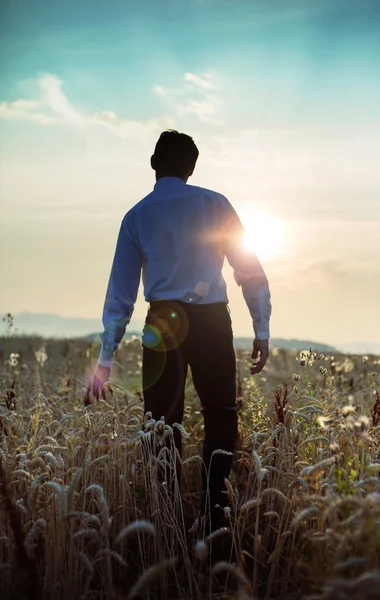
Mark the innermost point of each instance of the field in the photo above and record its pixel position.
(83, 514)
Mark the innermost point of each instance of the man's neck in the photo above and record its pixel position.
(184, 179)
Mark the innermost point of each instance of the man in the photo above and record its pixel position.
(178, 236)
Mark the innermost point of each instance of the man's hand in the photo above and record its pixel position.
(259, 347)
(101, 377)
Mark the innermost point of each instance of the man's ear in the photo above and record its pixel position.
(153, 162)
(191, 171)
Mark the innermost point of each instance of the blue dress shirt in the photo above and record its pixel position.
(178, 237)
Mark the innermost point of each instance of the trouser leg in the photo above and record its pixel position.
(164, 375)
(213, 366)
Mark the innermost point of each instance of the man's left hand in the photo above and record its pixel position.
(260, 354)
(101, 377)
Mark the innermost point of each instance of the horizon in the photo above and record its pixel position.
(282, 101)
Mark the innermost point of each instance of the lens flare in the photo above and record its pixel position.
(202, 288)
(151, 336)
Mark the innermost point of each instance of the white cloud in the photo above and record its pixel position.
(55, 100)
(202, 82)
(159, 90)
(205, 110)
(196, 95)
(22, 109)
(26, 104)
(55, 107)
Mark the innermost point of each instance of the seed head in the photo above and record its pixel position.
(201, 550)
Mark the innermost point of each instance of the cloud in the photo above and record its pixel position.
(159, 90)
(53, 106)
(24, 110)
(196, 95)
(202, 82)
(203, 109)
(55, 100)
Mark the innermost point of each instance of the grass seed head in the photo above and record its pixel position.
(136, 527)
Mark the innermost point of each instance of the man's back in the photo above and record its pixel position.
(178, 230)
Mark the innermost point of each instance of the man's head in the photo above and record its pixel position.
(175, 155)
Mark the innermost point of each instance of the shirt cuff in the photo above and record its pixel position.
(106, 358)
(261, 330)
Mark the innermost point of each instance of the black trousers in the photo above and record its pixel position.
(178, 335)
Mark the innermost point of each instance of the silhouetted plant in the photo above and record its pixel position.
(375, 412)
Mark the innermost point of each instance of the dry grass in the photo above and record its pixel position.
(84, 514)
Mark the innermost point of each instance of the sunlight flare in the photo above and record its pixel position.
(264, 234)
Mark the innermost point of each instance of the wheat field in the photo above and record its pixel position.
(85, 515)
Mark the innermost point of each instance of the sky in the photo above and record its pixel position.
(282, 99)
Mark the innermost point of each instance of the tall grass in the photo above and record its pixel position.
(84, 512)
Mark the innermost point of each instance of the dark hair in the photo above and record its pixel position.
(175, 153)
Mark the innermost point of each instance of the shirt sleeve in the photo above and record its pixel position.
(121, 292)
(248, 272)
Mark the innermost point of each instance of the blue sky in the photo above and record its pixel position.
(108, 52)
(282, 99)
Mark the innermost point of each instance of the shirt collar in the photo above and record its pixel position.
(163, 181)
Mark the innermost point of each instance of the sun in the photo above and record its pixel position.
(265, 234)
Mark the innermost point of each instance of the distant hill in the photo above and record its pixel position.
(246, 344)
(54, 326)
(48, 325)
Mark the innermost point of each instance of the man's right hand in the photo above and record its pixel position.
(260, 347)
(100, 379)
